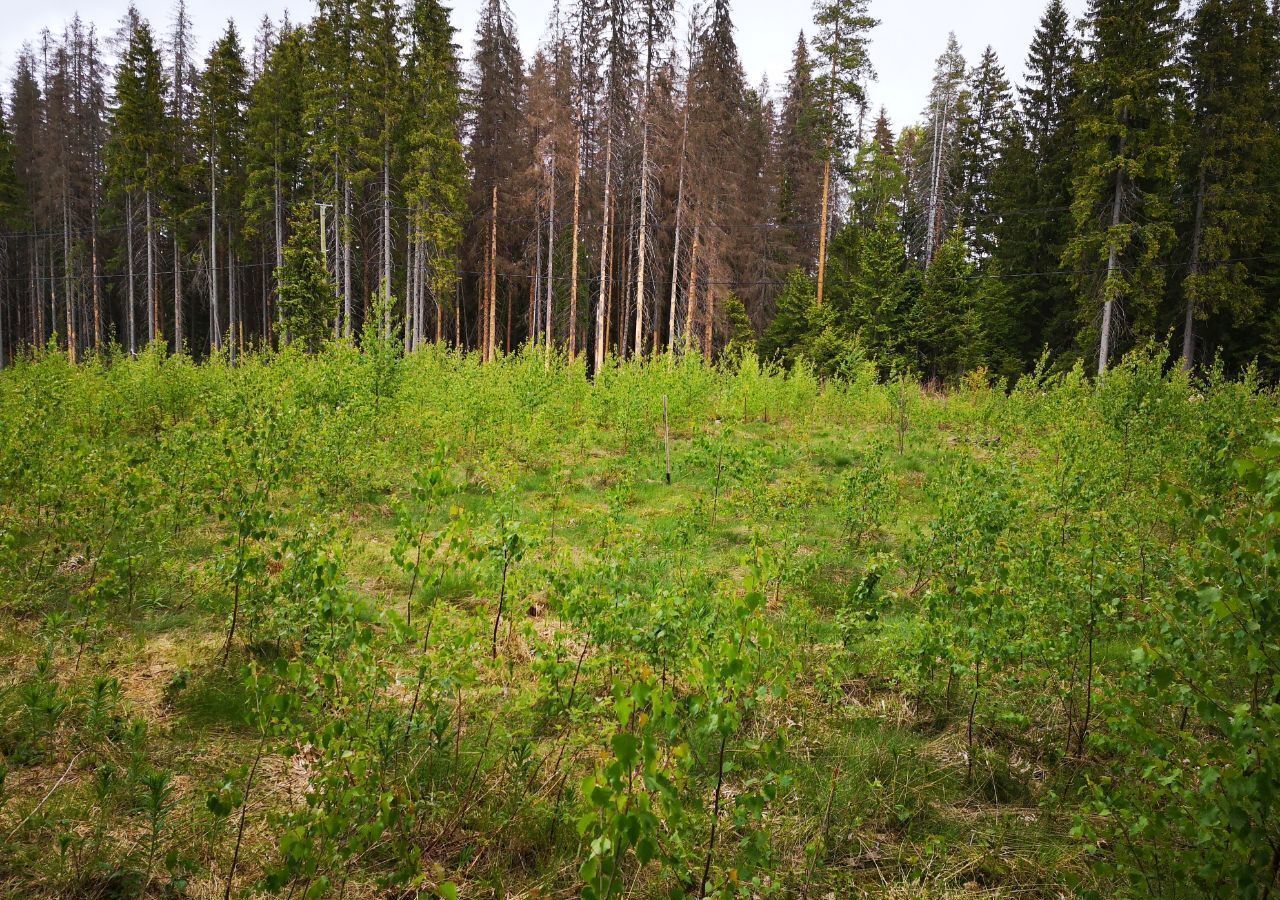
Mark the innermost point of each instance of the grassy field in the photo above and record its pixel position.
(358, 626)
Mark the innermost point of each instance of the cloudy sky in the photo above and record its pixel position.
(910, 36)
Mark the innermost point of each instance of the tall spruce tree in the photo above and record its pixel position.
(12, 215)
(881, 296)
(275, 150)
(307, 301)
(800, 159)
(946, 319)
(1125, 170)
(983, 135)
(221, 134)
(436, 177)
(496, 151)
(137, 155)
(1032, 198)
(1230, 59)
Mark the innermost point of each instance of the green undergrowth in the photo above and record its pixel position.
(356, 626)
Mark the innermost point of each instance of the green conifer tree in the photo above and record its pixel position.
(1233, 141)
(307, 301)
(436, 178)
(945, 323)
(1033, 193)
(1125, 170)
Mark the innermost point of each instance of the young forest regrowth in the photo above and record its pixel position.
(372, 624)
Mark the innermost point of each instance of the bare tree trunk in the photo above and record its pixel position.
(66, 277)
(386, 241)
(482, 301)
(822, 228)
(279, 228)
(215, 327)
(691, 295)
(153, 315)
(551, 232)
(642, 242)
(97, 289)
(675, 265)
(573, 265)
(601, 315)
(1104, 343)
(1197, 234)
(490, 340)
(410, 274)
(130, 322)
(233, 303)
(179, 339)
(346, 257)
(624, 301)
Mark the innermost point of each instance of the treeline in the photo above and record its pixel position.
(625, 190)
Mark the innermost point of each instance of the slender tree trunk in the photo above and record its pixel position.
(675, 253)
(66, 276)
(482, 301)
(346, 257)
(279, 229)
(215, 327)
(97, 285)
(233, 304)
(410, 273)
(386, 241)
(1197, 234)
(573, 264)
(601, 306)
(179, 339)
(1104, 344)
(490, 339)
(130, 322)
(551, 256)
(53, 294)
(691, 295)
(153, 315)
(642, 240)
(822, 228)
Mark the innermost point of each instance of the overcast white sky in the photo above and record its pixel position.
(911, 34)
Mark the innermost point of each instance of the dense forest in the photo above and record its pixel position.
(625, 191)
